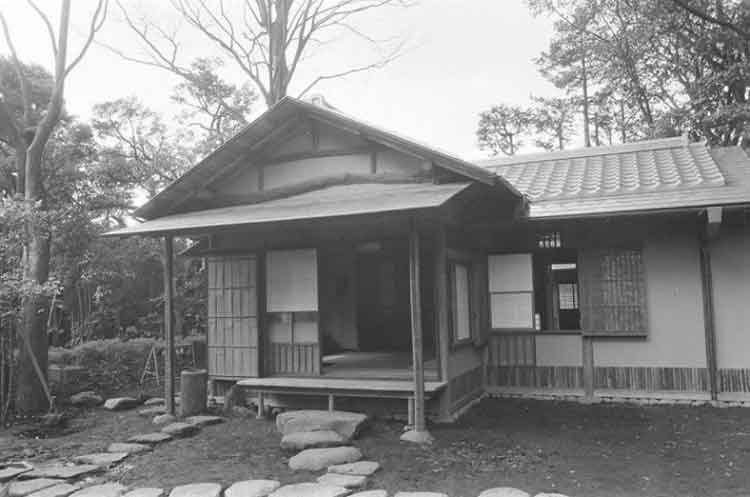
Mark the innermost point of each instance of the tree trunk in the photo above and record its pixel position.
(30, 397)
(585, 84)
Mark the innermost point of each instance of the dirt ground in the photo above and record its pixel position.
(577, 450)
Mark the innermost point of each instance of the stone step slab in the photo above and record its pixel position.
(252, 488)
(197, 490)
(105, 459)
(146, 492)
(62, 471)
(309, 490)
(318, 459)
(147, 412)
(164, 419)
(61, 490)
(128, 448)
(346, 481)
(504, 492)
(347, 424)
(150, 438)
(302, 440)
(360, 468)
(204, 420)
(103, 490)
(121, 403)
(154, 401)
(86, 399)
(14, 469)
(26, 487)
(420, 494)
(545, 494)
(371, 493)
(180, 430)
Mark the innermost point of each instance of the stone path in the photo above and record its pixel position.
(345, 473)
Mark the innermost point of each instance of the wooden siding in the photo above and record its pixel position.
(232, 317)
(734, 380)
(512, 350)
(551, 377)
(466, 387)
(294, 359)
(651, 378)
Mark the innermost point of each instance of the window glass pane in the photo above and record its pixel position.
(461, 314)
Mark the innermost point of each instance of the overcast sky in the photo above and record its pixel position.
(460, 57)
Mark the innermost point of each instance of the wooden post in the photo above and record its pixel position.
(331, 403)
(440, 268)
(587, 344)
(419, 432)
(708, 319)
(169, 324)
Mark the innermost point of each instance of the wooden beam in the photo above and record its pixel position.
(415, 301)
(708, 319)
(587, 347)
(169, 355)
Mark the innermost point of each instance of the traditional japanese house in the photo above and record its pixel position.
(345, 260)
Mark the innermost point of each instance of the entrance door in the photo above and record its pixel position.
(292, 331)
(232, 317)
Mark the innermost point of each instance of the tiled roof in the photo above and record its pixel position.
(650, 175)
(333, 201)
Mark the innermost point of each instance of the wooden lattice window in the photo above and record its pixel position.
(612, 292)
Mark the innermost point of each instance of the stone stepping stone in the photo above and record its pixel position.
(86, 399)
(371, 493)
(105, 459)
(252, 488)
(504, 492)
(152, 411)
(103, 490)
(121, 403)
(62, 471)
(346, 424)
(360, 468)
(317, 459)
(420, 494)
(302, 440)
(164, 419)
(346, 481)
(154, 401)
(150, 438)
(146, 492)
(309, 490)
(179, 430)
(26, 487)
(61, 490)
(203, 420)
(128, 448)
(197, 490)
(12, 470)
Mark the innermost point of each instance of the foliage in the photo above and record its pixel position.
(501, 128)
(553, 120)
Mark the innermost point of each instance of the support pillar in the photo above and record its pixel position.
(708, 319)
(419, 433)
(169, 353)
(587, 344)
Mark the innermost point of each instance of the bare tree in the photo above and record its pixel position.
(29, 137)
(267, 39)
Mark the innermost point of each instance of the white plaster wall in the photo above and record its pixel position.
(730, 268)
(289, 173)
(675, 310)
(558, 350)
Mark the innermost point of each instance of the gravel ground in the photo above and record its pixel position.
(578, 450)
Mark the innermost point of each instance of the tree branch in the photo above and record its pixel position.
(23, 81)
(97, 21)
(709, 18)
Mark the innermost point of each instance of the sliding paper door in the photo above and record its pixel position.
(292, 331)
